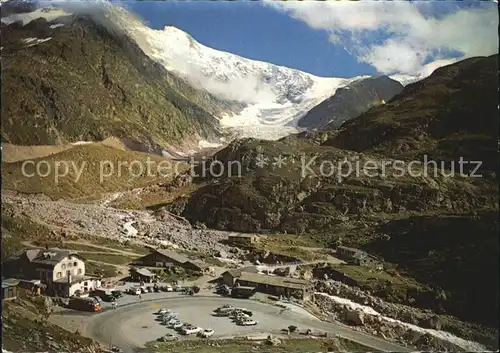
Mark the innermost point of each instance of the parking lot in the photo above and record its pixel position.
(132, 326)
(133, 323)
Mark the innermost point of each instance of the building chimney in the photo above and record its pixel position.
(69, 276)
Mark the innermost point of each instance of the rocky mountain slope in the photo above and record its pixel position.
(67, 78)
(450, 114)
(297, 185)
(350, 101)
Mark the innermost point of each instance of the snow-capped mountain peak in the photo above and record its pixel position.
(275, 96)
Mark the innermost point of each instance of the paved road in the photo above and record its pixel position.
(131, 326)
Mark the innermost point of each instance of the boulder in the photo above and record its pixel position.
(273, 341)
(355, 317)
(432, 322)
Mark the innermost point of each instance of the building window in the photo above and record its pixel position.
(75, 263)
(63, 266)
(85, 284)
(59, 275)
(79, 271)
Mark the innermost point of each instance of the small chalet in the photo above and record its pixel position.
(275, 285)
(142, 275)
(167, 258)
(359, 257)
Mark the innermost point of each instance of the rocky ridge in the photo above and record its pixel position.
(350, 101)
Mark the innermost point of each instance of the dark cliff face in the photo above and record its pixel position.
(451, 114)
(350, 101)
(84, 81)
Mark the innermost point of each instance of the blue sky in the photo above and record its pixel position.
(330, 39)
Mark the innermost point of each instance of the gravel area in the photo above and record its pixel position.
(153, 228)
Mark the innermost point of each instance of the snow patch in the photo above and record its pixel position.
(205, 144)
(166, 154)
(79, 143)
(129, 230)
(35, 41)
(464, 344)
(56, 25)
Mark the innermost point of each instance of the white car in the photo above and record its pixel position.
(162, 311)
(191, 330)
(174, 324)
(169, 320)
(169, 288)
(170, 314)
(245, 311)
(177, 325)
(249, 322)
(206, 333)
(224, 308)
(240, 317)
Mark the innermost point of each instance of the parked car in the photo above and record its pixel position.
(225, 306)
(149, 289)
(169, 288)
(239, 317)
(248, 322)
(183, 326)
(174, 324)
(170, 314)
(177, 325)
(245, 311)
(223, 290)
(143, 289)
(162, 311)
(191, 330)
(156, 288)
(168, 337)
(98, 299)
(225, 313)
(206, 333)
(168, 319)
(108, 297)
(178, 288)
(135, 291)
(117, 293)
